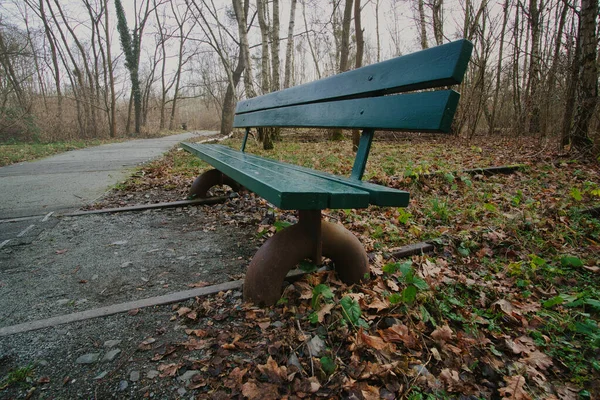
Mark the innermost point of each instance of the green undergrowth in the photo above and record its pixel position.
(18, 376)
(511, 294)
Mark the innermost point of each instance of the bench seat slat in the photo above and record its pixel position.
(438, 66)
(378, 195)
(422, 112)
(286, 188)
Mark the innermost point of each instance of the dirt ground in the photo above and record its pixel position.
(80, 263)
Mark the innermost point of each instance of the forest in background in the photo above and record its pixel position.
(103, 68)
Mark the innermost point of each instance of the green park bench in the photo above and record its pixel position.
(368, 98)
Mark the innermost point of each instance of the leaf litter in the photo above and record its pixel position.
(504, 307)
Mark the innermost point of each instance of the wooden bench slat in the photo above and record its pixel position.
(443, 65)
(421, 112)
(286, 188)
(378, 195)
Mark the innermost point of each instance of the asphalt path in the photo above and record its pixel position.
(68, 181)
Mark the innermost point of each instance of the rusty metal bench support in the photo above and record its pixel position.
(209, 179)
(310, 238)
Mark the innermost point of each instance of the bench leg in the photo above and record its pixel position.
(209, 179)
(307, 239)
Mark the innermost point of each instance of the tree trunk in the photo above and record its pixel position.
(264, 134)
(345, 40)
(360, 45)
(240, 13)
(289, 50)
(336, 134)
(551, 81)
(422, 24)
(111, 77)
(228, 101)
(130, 47)
(587, 83)
(274, 31)
(377, 30)
(571, 94)
(533, 101)
(264, 34)
(499, 70)
(438, 21)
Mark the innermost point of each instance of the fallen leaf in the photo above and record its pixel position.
(430, 269)
(133, 312)
(44, 379)
(168, 369)
(451, 379)
(538, 359)
(378, 304)
(392, 285)
(399, 333)
(304, 289)
(325, 310)
(192, 315)
(522, 344)
(197, 382)
(235, 378)
(195, 344)
(264, 324)
(196, 332)
(310, 385)
(198, 284)
(183, 310)
(258, 390)
(273, 371)
(165, 352)
(148, 341)
(83, 281)
(370, 392)
(506, 306)
(442, 333)
(373, 341)
(514, 388)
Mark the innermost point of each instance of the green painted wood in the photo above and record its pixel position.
(245, 140)
(286, 188)
(422, 112)
(438, 66)
(378, 195)
(362, 154)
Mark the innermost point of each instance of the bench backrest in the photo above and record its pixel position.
(357, 99)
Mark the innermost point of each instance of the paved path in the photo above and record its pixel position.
(70, 180)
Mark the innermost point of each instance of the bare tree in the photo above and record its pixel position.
(345, 40)
(310, 43)
(182, 59)
(289, 50)
(422, 24)
(437, 9)
(265, 74)
(532, 98)
(274, 36)
(505, 10)
(587, 83)
(360, 46)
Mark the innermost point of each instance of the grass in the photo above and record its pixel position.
(11, 153)
(20, 152)
(16, 376)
